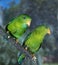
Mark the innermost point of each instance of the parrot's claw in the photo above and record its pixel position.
(26, 48)
(34, 57)
(17, 41)
(7, 31)
(8, 37)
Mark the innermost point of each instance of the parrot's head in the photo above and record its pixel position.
(45, 29)
(26, 19)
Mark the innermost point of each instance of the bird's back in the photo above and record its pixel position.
(16, 28)
(35, 39)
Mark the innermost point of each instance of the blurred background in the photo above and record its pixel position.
(42, 12)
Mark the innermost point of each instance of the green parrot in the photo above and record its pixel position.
(34, 41)
(18, 26)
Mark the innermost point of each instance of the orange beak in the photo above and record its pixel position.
(49, 32)
(29, 22)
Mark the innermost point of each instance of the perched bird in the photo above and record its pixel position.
(19, 25)
(34, 41)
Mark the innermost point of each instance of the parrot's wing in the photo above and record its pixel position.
(23, 37)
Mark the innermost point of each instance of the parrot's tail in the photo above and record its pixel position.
(21, 58)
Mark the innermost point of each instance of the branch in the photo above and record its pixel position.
(19, 47)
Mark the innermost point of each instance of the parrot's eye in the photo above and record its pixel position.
(24, 17)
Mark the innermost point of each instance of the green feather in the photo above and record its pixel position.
(21, 58)
(36, 38)
(19, 25)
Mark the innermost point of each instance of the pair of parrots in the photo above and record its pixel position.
(32, 43)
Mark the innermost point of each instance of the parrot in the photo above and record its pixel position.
(18, 26)
(34, 40)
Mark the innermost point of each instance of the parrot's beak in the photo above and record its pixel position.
(49, 31)
(28, 23)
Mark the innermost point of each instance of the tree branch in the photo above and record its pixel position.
(19, 47)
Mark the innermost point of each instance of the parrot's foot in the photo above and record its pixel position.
(34, 58)
(8, 37)
(26, 48)
(17, 41)
(7, 32)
